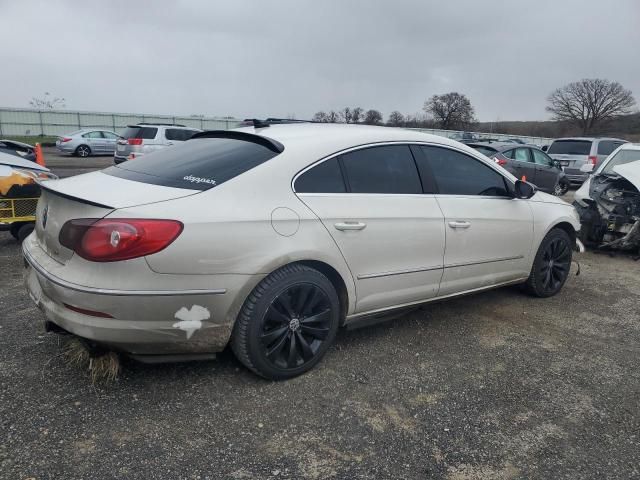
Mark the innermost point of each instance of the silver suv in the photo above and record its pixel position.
(138, 140)
(573, 153)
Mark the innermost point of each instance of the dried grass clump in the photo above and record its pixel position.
(103, 368)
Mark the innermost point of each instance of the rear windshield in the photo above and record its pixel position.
(198, 164)
(488, 151)
(180, 134)
(147, 133)
(570, 147)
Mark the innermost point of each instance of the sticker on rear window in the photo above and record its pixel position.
(193, 179)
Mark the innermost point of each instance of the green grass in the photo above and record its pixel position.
(32, 139)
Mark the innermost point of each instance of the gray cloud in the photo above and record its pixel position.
(253, 58)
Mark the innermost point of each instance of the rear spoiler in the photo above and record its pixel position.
(267, 142)
(71, 197)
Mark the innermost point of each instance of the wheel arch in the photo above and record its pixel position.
(567, 227)
(336, 280)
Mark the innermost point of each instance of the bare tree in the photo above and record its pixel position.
(345, 115)
(47, 102)
(373, 117)
(450, 111)
(356, 114)
(589, 102)
(396, 119)
(320, 117)
(333, 117)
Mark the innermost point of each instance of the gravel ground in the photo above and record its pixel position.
(496, 385)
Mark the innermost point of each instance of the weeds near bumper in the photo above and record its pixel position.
(103, 368)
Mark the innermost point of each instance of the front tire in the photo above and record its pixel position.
(551, 265)
(24, 231)
(83, 151)
(287, 323)
(561, 188)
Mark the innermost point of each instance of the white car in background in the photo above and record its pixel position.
(271, 238)
(138, 140)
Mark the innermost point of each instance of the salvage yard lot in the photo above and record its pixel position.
(495, 385)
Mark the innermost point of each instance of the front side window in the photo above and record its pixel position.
(384, 169)
(540, 158)
(459, 174)
(109, 135)
(198, 164)
(323, 178)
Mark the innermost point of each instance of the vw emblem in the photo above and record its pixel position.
(45, 214)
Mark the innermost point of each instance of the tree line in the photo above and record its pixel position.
(587, 105)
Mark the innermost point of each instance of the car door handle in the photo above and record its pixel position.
(459, 224)
(342, 226)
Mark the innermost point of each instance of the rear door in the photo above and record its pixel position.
(546, 173)
(391, 234)
(520, 163)
(488, 233)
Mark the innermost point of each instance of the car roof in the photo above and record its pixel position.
(591, 139)
(327, 138)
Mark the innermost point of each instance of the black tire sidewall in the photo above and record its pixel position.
(535, 280)
(24, 231)
(255, 350)
(77, 152)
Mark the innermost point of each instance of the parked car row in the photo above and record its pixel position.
(135, 141)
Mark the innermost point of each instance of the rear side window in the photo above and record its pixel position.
(323, 178)
(179, 134)
(385, 169)
(459, 174)
(521, 155)
(570, 147)
(198, 164)
(147, 133)
(605, 147)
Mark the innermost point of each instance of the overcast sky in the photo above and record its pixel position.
(274, 58)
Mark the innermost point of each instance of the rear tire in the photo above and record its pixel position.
(14, 228)
(83, 151)
(24, 231)
(551, 264)
(287, 323)
(561, 188)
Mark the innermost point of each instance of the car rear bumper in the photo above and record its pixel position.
(141, 322)
(65, 148)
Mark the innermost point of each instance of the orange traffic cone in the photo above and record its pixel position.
(39, 155)
(524, 178)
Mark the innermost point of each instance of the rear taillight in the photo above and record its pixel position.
(112, 240)
(65, 139)
(500, 161)
(134, 141)
(593, 159)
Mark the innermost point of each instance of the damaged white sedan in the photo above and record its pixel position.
(271, 237)
(609, 202)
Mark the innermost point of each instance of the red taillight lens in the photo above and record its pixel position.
(500, 161)
(112, 240)
(593, 159)
(134, 141)
(65, 139)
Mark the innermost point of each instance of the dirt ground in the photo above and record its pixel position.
(497, 385)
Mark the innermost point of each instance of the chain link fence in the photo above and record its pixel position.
(29, 122)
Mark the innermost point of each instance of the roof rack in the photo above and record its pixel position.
(269, 143)
(162, 124)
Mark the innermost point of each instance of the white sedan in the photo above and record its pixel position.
(270, 238)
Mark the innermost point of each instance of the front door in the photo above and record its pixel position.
(488, 233)
(546, 173)
(390, 233)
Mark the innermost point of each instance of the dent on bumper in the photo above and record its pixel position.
(144, 322)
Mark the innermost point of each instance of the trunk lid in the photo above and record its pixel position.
(92, 195)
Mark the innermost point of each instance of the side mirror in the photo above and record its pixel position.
(545, 148)
(556, 163)
(587, 168)
(524, 190)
